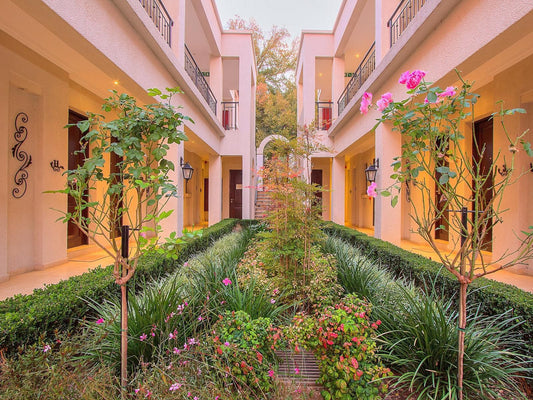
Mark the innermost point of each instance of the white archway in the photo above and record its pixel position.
(260, 156)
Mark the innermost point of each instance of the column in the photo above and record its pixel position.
(215, 189)
(384, 10)
(174, 222)
(338, 173)
(247, 186)
(388, 221)
(337, 84)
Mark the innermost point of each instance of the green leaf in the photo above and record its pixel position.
(83, 125)
(154, 92)
(394, 201)
(432, 97)
(444, 178)
(385, 193)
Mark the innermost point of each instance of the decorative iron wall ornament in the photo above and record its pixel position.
(54, 164)
(21, 134)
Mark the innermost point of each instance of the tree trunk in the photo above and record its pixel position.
(124, 339)
(461, 336)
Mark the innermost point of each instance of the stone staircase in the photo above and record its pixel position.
(263, 204)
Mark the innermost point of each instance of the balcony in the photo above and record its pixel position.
(199, 81)
(230, 110)
(402, 16)
(159, 15)
(359, 77)
(323, 115)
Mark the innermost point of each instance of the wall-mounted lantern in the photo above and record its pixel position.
(187, 171)
(371, 171)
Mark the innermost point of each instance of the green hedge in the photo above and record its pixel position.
(493, 297)
(61, 306)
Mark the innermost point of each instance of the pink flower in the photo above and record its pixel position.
(175, 386)
(100, 321)
(143, 337)
(404, 77)
(46, 348)
(366, 102)
(137, 390)
(271, 373)
(175, 350)
(414, 79)
(148, 393)
(226, 344)
(371, 190)
(296, 370)
(384, 102)
(272, 301)
(449, 92)
(226, 282)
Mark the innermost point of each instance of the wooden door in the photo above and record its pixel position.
(75, 237)
(482, 153)
(316, 178)
(235, 193)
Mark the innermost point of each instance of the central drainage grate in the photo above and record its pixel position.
(298, 367)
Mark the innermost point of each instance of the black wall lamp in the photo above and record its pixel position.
(371, 171)
(187, 171)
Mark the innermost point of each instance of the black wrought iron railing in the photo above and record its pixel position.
(402, 16)
(230, 114)
(323, 114)
(359, 77)
(201, 84)
(159, 15)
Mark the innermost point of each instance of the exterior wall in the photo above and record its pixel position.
(65, 54)
(441, 38)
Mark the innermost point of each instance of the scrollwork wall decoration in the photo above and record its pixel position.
(21, 176)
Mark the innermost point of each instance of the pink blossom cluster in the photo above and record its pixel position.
(412, 79)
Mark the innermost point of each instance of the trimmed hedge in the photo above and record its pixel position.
(23, 318)
(493, 297)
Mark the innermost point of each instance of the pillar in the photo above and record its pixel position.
(215, 189)
(338, 189)
(388, 220)
(174, 222)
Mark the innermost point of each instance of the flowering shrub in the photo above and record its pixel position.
(343, 338)
(241, 350)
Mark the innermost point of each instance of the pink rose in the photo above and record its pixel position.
(384, 102)
(371, 190)
(404, 77)
(414, 79)
(449, 92)
(366, 102)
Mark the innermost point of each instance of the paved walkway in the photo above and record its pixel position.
(522, 281)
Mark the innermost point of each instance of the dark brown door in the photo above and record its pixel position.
(482, 156)
(316, 178)
(442, 226)
(75, 237)
(206, 194)
(235, 193)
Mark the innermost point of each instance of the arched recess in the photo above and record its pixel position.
(260, 157)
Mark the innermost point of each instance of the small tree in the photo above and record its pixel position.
(435, 160)
(295, 215)
(131, 192)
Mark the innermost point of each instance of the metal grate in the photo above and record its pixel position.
(199, 81)
(402, 16)
(159, 15)
(359, 77)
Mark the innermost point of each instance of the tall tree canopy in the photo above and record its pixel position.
(276, 57)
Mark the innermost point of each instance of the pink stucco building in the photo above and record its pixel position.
(371, 44)
(59, 58)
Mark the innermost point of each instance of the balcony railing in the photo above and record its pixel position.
(323, 115)
(359, 77)
(201, 84)
(402, 16)
(230, 113)
(159, 15)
